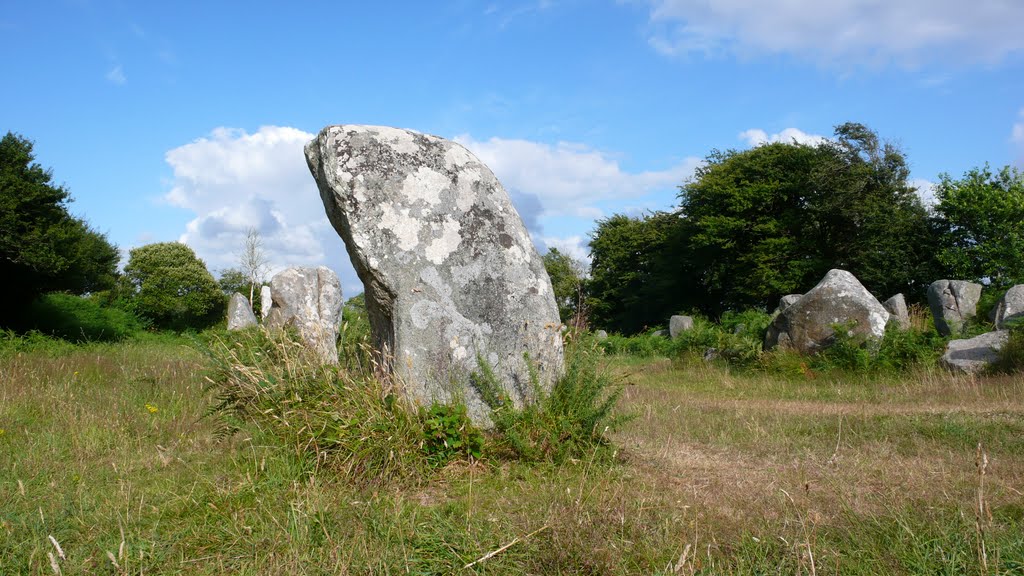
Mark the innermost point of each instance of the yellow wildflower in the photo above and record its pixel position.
(152, 409)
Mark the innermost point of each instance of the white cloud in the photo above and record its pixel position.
(233, 180)
(756, 137)
(116, 75)
(925, 191)
(570, 179)
(574, 246)
(907, 32)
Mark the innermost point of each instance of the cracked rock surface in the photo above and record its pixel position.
(450, 273)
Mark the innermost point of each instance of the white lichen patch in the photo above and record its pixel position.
(441, 248)
(463, 275)
(425, 184)
(401, 141)
(464, 193)
(456, 157)
(405, 228)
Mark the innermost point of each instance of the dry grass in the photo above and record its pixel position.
(718, 473)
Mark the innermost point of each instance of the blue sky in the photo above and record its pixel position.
(185, 120)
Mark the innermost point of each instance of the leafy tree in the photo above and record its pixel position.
(43, 248)
(167, 284)
(233, 280)
(982, 220)
(567, 282)
(760, 223)
(625, 255)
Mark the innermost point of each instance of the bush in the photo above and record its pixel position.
(78, 319)
(571, 421)
(448, 434)
(1011, 356)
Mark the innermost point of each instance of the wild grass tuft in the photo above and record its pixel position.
(347, 421)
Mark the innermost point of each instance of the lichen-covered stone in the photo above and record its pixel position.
(266, 301)
(450, 273)
(952, 303)
(897, 307)
(1010, 307)
(310, 300)
(974, 354)
(787, 301)
(240, 313)
(679, 324)
(839, 299)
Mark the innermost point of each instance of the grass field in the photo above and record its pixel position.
(107, 466)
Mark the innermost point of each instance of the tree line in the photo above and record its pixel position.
(754, 225)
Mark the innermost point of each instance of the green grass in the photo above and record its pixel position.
(107, 448)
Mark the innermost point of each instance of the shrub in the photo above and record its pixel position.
(1011, 356)
(448, 434)
(572, 420)
(78, 319)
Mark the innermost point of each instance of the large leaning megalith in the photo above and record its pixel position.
(450, 273)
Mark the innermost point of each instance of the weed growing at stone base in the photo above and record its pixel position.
(572, 420)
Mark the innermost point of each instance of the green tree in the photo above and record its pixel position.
(982, 221)
(167, 284)
(624, 271)
(760, 223)
(233, 280)
(566, 275)
(43, 248)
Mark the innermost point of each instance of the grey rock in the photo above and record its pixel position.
(266, 301)
(679, 324)
(897, 307)
(660, 333)
(601, 335)
(974, 354)
(711, 354)
(310, 300)
(952, 303)
(806, 325)
(787, 301)
(450, 274)
(1010, 307)
(240, 313)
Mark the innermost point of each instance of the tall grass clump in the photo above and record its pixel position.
(1011, 355)
(572, 420)
(347, 421)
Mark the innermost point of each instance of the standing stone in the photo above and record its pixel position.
(265, 302)
(897, 306)
(451, 276)
(601, 335)
(679, 324)
(952, 303)
(310, 300)
(806, 325)
(240, 313)
(1010, 307)
(974, 354)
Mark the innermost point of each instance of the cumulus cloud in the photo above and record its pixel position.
(116, 75)
(925, 191)
(570, 179)
(232, 181)
(756, 137)
(574, 246)
(907, 32)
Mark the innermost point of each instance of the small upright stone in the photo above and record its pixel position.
(952, 303)
(679, 324)
(1010, 307)
(452, 278)
(240, 313)
(897, 306)
(787, 301)
(601, 335)
(310, 300)
(265, 302)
